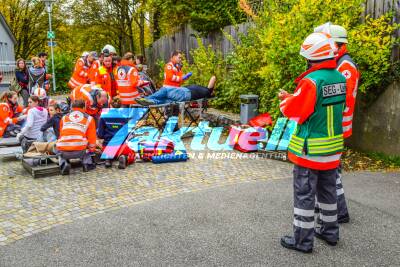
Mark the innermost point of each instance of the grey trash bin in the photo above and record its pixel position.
(248, 108)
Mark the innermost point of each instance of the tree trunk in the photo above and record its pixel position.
(141, 38)
(156, 26)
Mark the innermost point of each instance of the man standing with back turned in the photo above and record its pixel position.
(349, 70)
(317, 144)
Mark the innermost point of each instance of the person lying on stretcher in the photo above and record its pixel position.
(168, 94)
(172, 90)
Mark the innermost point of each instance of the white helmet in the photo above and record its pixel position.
(39, 92)
(338, 33)
(110, 48)
(85, 54)
(318, 46)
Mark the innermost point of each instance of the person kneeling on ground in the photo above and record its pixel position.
(108, 128)
(51, 129)
(77, 135)
(179, 94)
(10, 115)
(94, 97)
(36, 118)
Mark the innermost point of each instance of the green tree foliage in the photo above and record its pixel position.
(63, 66)
(207, 16)
(268, 59)
(203, 15)
(29, 23)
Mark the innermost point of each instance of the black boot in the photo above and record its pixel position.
(330, 243)
(289, 243)
(122, 162)
(108, 163)
(344, 218)
(88, 167)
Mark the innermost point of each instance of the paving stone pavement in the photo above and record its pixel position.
(30, 206)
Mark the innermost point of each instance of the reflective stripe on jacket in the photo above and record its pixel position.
(172, 75)
(317, 105)
(77, 132)
(349, 70)
(127, 78)
(79, 75)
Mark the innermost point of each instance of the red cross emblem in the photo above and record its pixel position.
(76, 116)
(346, 74)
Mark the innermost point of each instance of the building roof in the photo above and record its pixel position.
(7, 28)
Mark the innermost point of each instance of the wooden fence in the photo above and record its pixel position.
(185, 39)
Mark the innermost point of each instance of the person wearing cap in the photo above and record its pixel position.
(349, 69)
(317, 144)
(80, 74)
(42, 95)
(109, 49)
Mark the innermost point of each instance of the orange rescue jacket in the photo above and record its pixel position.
(93, 71)
(172, 75)
(77, 132)
(7, 115)
(348, 68)
(105, 78)
(79, 75)
(127, 80)
(88, 94)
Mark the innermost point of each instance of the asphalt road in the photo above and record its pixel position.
(236, 225)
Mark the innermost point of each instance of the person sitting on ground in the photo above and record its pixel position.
(22, 78)
(51, 129)
(108, 127)
(42, 95)
(10, 115)
(36, 118)
(94, 97)
(37, 75)
(77, 138)
(181, 94)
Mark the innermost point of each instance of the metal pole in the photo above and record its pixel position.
(51, 48)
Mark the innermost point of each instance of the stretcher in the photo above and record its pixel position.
(10, 152)
(10, 141)
(41, 166)
(191, 110)
(10, 148)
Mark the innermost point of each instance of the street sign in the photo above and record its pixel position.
(51, 35)
(51, 43)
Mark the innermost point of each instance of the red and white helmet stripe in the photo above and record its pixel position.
(318, 46)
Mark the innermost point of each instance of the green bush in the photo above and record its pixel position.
(64, 64)
(207, 63)
(268, 59)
